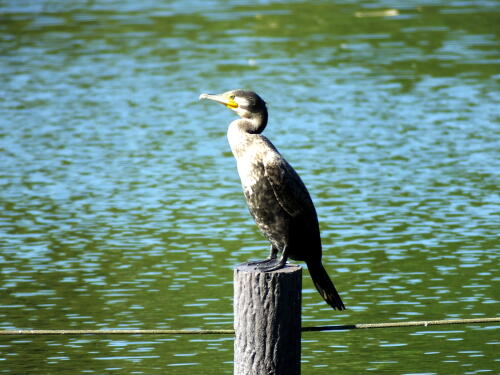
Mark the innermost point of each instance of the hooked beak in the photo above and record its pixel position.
(222, 99)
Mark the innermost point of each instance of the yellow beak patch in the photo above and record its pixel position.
(231, 103)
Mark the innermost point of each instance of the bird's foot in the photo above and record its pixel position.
(261, 262)
(272, 263)
(268, 265)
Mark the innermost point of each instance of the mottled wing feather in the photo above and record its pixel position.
(288, 188)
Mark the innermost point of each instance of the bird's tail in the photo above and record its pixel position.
(325, 286)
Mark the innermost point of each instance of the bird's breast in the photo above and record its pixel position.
(261, 199)
(252, 168)
(250, 172)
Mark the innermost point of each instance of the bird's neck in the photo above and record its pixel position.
(241, 132)
(252, 125)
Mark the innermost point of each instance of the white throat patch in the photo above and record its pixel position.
(242, 102)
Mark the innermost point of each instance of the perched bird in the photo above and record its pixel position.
(277, 198)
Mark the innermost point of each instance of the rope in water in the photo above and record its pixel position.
(342, 327)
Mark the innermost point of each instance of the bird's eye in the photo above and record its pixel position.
(232, 97)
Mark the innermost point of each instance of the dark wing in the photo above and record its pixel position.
(289, 190)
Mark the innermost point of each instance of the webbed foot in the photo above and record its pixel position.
(272, 265)
(261, 262)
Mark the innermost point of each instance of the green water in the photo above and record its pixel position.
(120, 205)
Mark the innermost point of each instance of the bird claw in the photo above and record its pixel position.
(267, 265)
(271, 267)
(261, 262)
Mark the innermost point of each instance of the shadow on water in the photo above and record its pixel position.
(121, 206)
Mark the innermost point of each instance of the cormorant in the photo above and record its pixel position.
(277, 198)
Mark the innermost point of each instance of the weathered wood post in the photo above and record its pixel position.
(267, 321)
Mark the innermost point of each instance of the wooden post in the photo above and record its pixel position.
(267, 321)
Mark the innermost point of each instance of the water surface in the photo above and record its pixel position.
(121, 206)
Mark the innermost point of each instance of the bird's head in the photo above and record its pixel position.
(246, 104)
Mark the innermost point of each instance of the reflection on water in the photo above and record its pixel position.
(121, 206)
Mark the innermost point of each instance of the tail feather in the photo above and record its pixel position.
(325, 286)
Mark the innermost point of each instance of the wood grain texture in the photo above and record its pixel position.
(267, 320)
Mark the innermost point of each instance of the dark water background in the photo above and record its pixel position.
(120, 206)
